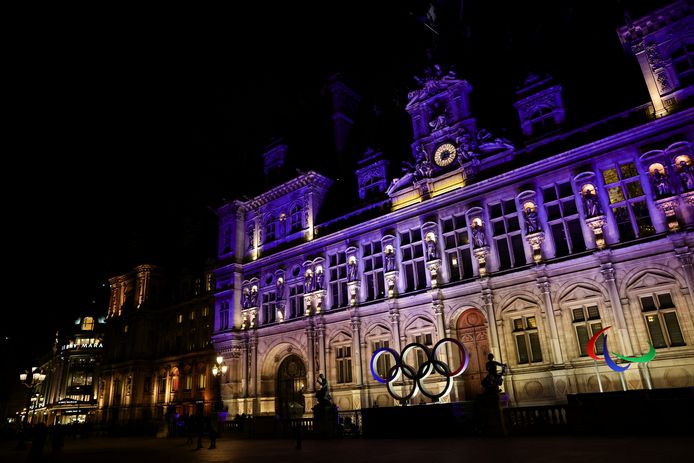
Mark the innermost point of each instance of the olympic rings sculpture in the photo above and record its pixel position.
(432, 364)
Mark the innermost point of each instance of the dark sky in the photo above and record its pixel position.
(126, 125)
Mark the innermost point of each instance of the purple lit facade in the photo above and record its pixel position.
(520, 249)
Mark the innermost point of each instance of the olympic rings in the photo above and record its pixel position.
(430, 365)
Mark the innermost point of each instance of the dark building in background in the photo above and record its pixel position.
(158, 359)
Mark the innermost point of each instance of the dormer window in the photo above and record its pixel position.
(683, 63)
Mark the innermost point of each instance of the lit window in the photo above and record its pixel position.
(87, 324)
(627, 201)
(179, 318)
(456, 240)
(527, 340)
(205, 311)
(202, 380)
(586, 320)
(661, 319)
(343, 364)
(191, 315)
(372, 259)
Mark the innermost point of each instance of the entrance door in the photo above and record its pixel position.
(291, 381)
(472, 332)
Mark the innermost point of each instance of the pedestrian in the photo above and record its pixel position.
(213, 438)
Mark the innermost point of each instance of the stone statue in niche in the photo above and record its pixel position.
(432, 253)
(478, 238)
(254, 297)
(591, 202)
(251, 237)
(280, 289)
(246, 298)
(320, 279)
(661, 184)
(531, 223)
(390, 260)
(352, 270)
(308, 282)
(686, 174)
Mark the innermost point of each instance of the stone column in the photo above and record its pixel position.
(252, 371)
(488, 300)
(311, 367)
(545, 287)
(394, 313)
(244, 367)
(236, 316)
(685, 258)
(355, 323)
(320, 331)
(608, 273)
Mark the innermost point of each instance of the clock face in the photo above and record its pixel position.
(444, 154)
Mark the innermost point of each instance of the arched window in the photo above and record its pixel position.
(270, 229)
(295, 219)
(683, 62)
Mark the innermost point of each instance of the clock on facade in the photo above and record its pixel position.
(444, 154)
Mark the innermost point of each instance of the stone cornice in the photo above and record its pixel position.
(653, 22)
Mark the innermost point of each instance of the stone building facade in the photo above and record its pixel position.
(523, 250)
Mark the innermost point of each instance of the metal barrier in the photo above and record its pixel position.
(542, 419)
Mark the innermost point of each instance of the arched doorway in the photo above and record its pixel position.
(472, 332)
(291, 381)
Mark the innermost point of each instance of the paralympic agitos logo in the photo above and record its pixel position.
(417, 376)
(590, 348)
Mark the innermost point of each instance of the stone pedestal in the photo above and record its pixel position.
(325, 420)
(489, 416)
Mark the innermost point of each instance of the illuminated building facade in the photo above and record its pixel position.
(68, 393)
(523, 249)
(158, 361)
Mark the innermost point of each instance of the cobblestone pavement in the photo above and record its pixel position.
(505, 450)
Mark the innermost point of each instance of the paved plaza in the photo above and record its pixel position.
(504, 450)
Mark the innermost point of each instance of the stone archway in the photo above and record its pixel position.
(291, 382)
(473, 333)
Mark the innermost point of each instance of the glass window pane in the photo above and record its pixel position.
(518, 250)
(499, 228)
(453, 266)
(531, 322)
(565, 190)
(509, 206)
(450, 242)
(495, 210)
(655, 331)
(460, 221)
(634, 189)
(549, 194)
(504, 256)
(593, 312)
(535, 347)
(628, 170)
(447, 225)
(522, 349)
(578, 314)
(569, 207)
(582, 334)
(560, 243)
(513, 224)
(610, 176)
(616, 194)
(578, 244)
(553, 212)
(467, 262)
(665, 301)
(647, 303)
(462, 238)
(517, 324)
(673, 329)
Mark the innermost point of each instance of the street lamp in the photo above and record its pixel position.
(30, 380)
(219, 370)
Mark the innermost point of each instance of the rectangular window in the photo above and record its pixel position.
(412, 259)
(372, 259)
(202, 377)
(383, 362)
(627, 201)
(456, 240)
(188, 382)
(425, 339)
(563, 219)
(338, 280)
(296, 301)
(661, 320)
(507, 235)
(527, 340)
(268, 307)
(343, 363)
(224, 315)
(586, 320)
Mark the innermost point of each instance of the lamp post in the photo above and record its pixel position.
(218, 370)
(30, 380)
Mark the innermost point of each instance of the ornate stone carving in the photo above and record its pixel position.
(607, 271)
(433, 266)
(535, 241)
(669, 207)
(653, 56)
(481, 256)
(597, 224)
(664, 82)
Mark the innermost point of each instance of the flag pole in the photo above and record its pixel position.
(597, 371)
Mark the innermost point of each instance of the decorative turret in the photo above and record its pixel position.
(539, 104)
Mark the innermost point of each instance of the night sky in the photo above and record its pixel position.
(128, 126)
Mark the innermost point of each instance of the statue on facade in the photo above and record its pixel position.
(251, 238)
(280, 289)
(390, 260)
(531, 222)
(591, 202)
(352, 270)
(438, 123)
(661, 184)
(323, 394)
(254, 297)
(432, 253)
(308, 282)
(246, 298)
(494, 378)
(466, 148)
(686, 176)
(478, 238)
(320, 279)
